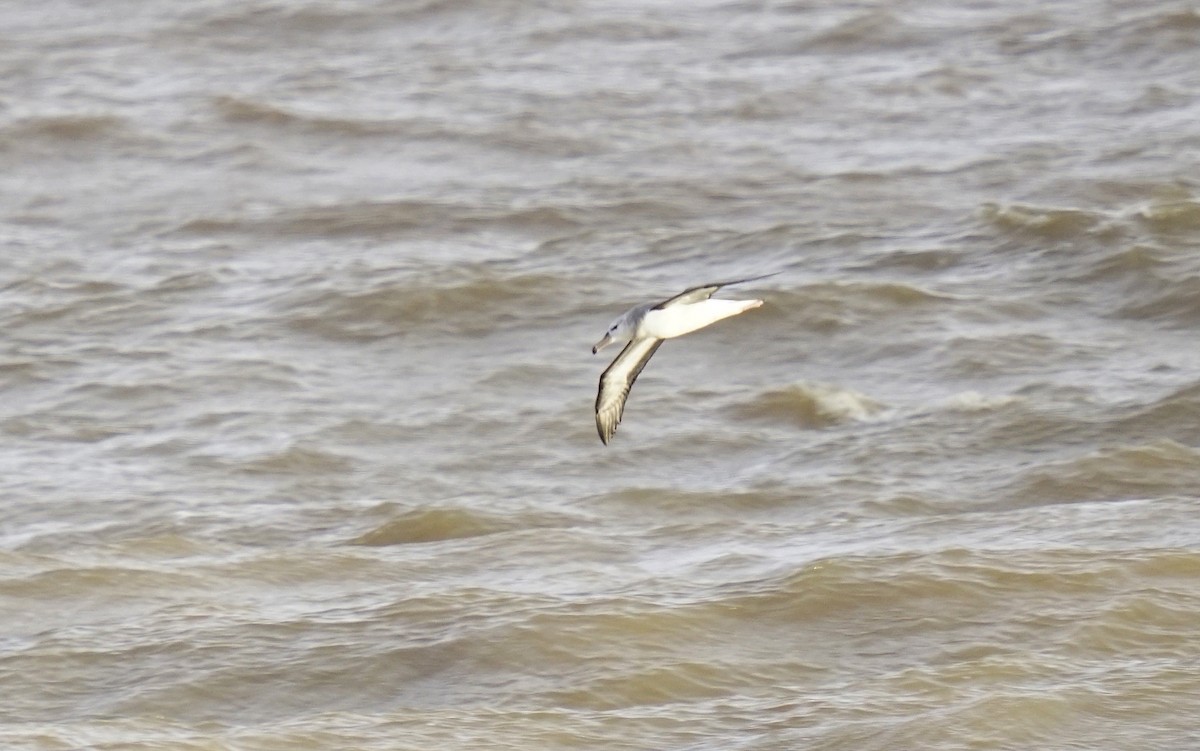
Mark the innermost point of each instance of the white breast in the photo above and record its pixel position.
(677, 320)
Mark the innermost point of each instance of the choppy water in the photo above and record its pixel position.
(298, 451)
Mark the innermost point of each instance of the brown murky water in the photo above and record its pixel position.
(298, 451)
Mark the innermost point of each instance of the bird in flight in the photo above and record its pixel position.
(645, 327)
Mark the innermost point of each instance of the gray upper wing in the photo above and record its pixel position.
(703, 292)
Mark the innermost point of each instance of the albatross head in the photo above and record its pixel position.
(620, 330)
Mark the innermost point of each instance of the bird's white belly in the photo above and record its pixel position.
(677, 320)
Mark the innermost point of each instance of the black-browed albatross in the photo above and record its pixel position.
(645, 327)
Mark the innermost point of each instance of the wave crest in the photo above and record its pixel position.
(810, 405)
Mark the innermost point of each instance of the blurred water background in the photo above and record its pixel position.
(297, 444)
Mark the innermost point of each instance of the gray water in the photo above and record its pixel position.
(298, 447)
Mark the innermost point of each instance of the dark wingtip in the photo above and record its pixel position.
(604, 438)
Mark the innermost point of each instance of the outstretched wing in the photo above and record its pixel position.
(703, 292)
(617, 380)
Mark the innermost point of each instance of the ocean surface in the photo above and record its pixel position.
(296, 436)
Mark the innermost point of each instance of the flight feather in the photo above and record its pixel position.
(616, 382)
